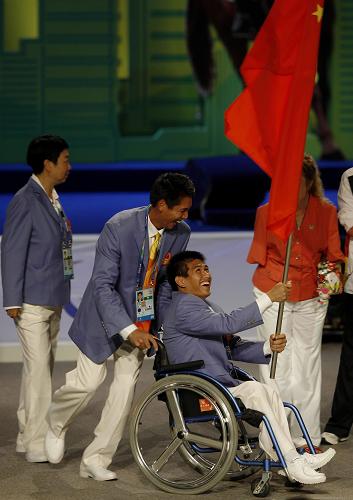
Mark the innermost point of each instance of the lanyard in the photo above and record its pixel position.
(67, 225)
(139, 269)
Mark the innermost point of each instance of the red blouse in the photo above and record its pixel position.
(315, 240)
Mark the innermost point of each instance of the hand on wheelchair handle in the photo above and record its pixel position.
(278, 342)
(280, 292)
(152, 351)
(142, 340)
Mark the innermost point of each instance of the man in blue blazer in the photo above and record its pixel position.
(36, 268)
(110, 320)
(194, 329)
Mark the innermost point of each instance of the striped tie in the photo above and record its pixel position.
(147, 282)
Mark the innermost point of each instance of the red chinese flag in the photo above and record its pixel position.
(269, 120)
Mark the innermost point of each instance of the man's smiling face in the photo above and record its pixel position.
(170, 216)
(198, 280)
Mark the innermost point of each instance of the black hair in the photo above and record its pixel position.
(177, 265)
(44, 147)
(171, 187)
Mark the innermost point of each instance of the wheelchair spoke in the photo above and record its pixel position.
(175, 410)
(192, 437)
(167, 453)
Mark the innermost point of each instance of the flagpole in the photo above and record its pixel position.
(281, 306)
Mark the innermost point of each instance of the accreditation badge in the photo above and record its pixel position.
(67, 259)
(144, 304)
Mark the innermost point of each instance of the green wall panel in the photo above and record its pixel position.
(342, 111)
(65, 82)
(20, 100)
(76, 79)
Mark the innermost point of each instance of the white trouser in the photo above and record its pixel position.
(81, 384)
(262, 397)
(298, 372)
(37, 328)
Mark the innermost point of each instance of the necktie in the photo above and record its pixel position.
(147, 282)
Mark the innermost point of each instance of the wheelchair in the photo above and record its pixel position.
(204, 434)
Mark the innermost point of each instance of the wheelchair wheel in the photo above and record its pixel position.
(201, 461)
(157, 451)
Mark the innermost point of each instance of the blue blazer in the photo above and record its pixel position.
(109, 302)
(31, 251)
(193, 330)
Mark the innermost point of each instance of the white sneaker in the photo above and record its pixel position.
(331, 438)
(320, 459)
(20, 447)
(36, 457)
(97, 472)
(299, 471)
(54, 447)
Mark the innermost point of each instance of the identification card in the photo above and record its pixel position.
(144, 304)
(67, 260)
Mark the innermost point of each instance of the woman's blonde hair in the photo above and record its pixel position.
(312, 176)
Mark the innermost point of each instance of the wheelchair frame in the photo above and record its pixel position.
(171, 380)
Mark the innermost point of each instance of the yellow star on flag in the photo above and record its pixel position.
(319, 12)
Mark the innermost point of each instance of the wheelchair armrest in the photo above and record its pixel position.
(180, 367)
(240, 374)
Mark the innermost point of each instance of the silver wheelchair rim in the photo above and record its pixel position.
(226, 446)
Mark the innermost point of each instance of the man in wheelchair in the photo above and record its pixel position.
(194, 328)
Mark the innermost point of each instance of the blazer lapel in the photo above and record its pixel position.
(166, 243)
(43, 198)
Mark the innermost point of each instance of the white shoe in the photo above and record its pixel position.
(320, 459)
(36, 457)
(299, 471)
(20, 447)
(97, 472)
(54, 447)
(331, 438)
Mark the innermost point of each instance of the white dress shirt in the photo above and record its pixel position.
(345, 215)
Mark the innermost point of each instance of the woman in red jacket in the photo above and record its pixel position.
(315, 238)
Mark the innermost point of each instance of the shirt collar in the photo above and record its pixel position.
(152, 230)
(55, 194)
